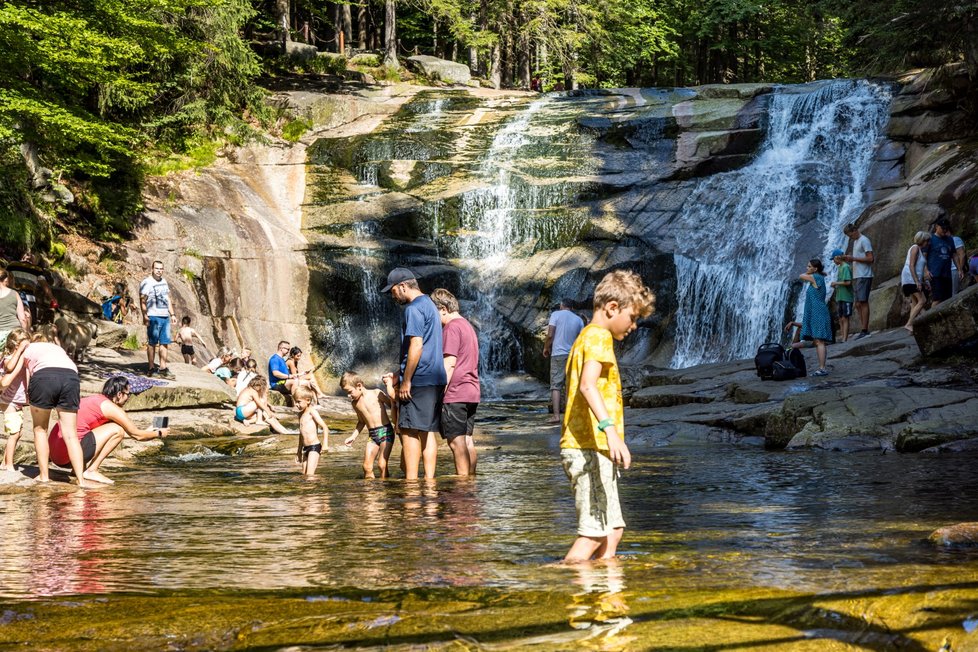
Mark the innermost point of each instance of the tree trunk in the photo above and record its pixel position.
(526, 55)
(495, 74)
(434, 36)
(283, 19)
(346, 17)
(362, 26)
(390, 34)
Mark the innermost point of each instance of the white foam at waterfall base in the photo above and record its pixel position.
(738, 231)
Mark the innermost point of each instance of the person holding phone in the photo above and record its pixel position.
(102, 424)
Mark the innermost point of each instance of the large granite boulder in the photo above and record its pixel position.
(440, 69)
(961, 534)
(952, 327)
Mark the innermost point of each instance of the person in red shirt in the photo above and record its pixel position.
(460, 350)
(102, 424)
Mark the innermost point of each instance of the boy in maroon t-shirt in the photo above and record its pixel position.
(460, 347)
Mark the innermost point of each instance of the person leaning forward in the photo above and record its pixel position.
(421, 374)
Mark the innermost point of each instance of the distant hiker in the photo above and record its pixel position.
(562, 329)
(185, 337)
(118, 306)
(154, 300)
(421, 374)
(592, 445)
(958, 266)
(912, 276)
(102, 425)
(862, 274)
(460, 349)
(843, 292)
(816, 322)
(939, 259)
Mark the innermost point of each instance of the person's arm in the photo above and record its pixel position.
(914, 256)
(959, 254)
(809, 278)
(117, 415)
(21, 313)
(450, 361)
(322, 424)
(7, 379)
(588, 388)
(413, 358)
(278, 374)
(356, 432)
(16, 360)
(143, 298)
(548, 344)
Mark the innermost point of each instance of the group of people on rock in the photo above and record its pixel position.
(935, 269)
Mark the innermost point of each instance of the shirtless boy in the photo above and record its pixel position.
(185, 338)
(309, 448)
(371, 408)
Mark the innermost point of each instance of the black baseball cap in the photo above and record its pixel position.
(398, 275)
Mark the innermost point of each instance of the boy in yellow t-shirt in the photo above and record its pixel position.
(592, 447)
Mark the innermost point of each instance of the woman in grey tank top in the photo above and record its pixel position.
(11, 308)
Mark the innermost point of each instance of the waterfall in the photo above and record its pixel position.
(738, 232)
(488, 231)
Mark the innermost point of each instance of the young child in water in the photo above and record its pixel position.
(309, 448)
(185, 338)
(13, 394)
(371, 408)
(592, 446)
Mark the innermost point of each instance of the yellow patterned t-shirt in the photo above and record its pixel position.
(580, 424)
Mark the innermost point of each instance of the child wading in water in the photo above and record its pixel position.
(371, 408)
(309, 448)
(13, 394)
(592, 447)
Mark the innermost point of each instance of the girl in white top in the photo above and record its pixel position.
(912, 276)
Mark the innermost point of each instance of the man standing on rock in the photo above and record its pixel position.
(422, 373)
(562, 330)
(154, 299)
(862, 274)
(939, 258)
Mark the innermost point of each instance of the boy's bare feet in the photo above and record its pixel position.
(97, 477)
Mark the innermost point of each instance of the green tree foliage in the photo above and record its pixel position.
(93, 85)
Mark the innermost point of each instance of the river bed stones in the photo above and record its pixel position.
(959, 535)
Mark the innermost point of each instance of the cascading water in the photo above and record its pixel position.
(739, 230)
(488, 231)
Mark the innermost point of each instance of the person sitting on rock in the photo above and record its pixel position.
(252, 407)
(102, 424)
(301, 378)
(219, 366)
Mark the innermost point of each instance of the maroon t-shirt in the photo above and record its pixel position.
(459, 339)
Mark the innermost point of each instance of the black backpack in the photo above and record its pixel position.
(767, 355)
(797, 359)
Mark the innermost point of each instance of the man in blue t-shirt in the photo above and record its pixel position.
(278, 370)
(939, 257)
(421, 375)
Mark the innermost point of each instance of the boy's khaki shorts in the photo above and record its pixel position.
(558, 366)
(594, 481)
(12, 422)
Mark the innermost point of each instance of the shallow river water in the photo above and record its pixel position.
(727, 547)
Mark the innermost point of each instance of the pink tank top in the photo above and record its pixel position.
(16, 391)
(45, 355)
(90, 417)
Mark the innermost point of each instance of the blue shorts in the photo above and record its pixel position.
(158, 331)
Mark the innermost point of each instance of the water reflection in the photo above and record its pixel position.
(600, 608)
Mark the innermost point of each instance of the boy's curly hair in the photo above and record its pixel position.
(627, 289)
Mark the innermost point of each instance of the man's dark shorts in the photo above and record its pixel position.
(55, 388)
(423, 410)
(457, 419)
(940, 288)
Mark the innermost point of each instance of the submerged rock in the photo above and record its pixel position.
(962, 534)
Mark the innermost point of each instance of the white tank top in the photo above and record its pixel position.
(906, 278)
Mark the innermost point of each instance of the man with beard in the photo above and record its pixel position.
(421, 376)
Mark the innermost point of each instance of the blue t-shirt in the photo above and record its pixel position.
(421, 320)
(276, 363)
(939, 256)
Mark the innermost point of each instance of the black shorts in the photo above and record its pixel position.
(457, 419)
(55, 388)
(88, 451)
(423, 411)
(844, 308)
(940, 288)
(186, 349)
(910, 289)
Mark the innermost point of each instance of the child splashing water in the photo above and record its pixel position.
(310, 422)
(13, 399)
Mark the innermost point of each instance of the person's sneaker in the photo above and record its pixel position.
(165, 373)
(152, 370)
(861, 335)
(820, 372)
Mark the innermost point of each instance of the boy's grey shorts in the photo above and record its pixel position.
(594, 481)
(558, 368)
